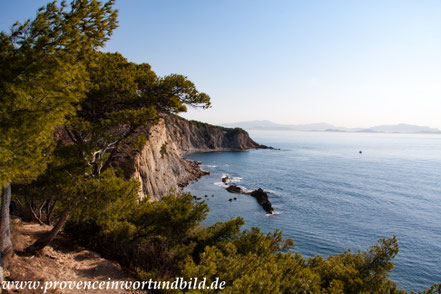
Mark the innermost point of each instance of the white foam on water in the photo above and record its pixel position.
(235, 179)
(230, 179)
(245, 190)
(271, 214)
(272, 192)
(221, 184)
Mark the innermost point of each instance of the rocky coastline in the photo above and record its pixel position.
(260, 195)
(160, 166)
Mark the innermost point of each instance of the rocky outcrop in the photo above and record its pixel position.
(234, 189)
(194, 136)
(159, 164)
(262, 199)
(260, 195)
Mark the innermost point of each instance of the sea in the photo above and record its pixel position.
(328, 196)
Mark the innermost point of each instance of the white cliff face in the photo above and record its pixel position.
(159, 165)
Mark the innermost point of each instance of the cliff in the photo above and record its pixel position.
(159, 164)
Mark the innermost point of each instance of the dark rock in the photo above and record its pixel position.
(262, 199)
(225, 179)
(267, 147)
(234, 189)
(260, 195)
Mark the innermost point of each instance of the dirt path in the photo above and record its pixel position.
(62, 261)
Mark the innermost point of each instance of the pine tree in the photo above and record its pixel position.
(42, 78)
(123, 99)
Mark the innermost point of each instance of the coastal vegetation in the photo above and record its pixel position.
(69, 112)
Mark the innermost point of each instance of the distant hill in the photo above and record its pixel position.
(269, 125)
(401, 128)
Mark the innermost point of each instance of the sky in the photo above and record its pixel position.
(348, 63)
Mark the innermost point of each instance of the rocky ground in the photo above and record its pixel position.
(61, 261)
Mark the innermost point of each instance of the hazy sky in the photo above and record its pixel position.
(349, 63)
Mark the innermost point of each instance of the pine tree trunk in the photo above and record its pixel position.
(5, 230)
(2, 274)
(50, 212)
(46, 239)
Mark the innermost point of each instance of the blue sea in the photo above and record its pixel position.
(328, 197)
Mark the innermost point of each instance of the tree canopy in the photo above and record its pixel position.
(43, 77)
(123, 98)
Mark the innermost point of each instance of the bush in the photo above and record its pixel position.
(164, 239)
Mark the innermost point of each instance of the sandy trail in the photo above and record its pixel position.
(61, 261)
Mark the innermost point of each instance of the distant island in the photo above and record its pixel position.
(325, 127)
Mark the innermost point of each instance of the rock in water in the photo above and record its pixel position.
(234, 189)
(260, 195)
(262, 199)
